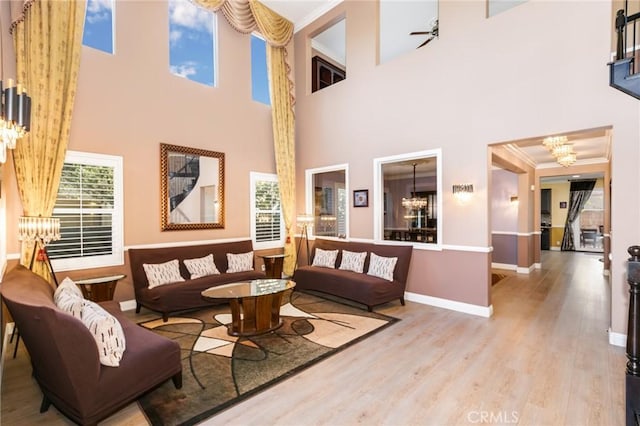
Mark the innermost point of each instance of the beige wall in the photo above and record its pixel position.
(484, 81)
(128, 103)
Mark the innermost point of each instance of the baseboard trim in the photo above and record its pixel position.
(537, 266)
(525, 269)
(128, 305)
(617, 339)
(467, 308)
(507, 266)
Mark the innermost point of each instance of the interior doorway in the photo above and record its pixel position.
(588, 220)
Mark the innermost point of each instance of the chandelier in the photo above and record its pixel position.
(415, 202)
(15, 116)
(567, 159)
(562, 151)
(552, 142)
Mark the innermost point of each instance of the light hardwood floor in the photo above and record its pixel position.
(542, 359)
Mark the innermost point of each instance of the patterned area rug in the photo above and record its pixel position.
(221, 370)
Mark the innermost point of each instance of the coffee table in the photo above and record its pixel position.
(255, 304)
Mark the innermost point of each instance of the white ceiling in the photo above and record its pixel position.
(301, 12)
(397, 20)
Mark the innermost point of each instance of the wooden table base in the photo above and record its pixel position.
(255, 314)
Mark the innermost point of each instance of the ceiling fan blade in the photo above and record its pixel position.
(425, 42)
(420, 32)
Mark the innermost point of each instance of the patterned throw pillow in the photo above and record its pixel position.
(68, 285)
(162, 273)
(106, 331)
(382, 267)
(68, 298)
(240, 262)
(201, 267)
(352, 261)
(325, 258)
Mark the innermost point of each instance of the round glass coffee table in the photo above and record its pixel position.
(255, 304)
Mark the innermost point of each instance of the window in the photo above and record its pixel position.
(327, 200)
(89, 206)
(98, 25)
(328, 56)
(191, 42)
(259, 77)
(408, 198)
(267, 227)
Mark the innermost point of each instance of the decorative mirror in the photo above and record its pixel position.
(192, 188)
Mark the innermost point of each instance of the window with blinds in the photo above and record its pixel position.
(89, 207)
(266, 216)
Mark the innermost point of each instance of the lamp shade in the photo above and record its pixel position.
(304, 219)
(37, 228)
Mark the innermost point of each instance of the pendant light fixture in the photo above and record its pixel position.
(414, 202)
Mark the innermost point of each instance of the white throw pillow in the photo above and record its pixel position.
(162, 273)
(106, 331)
(69, 302)
(240, 262)
(201, 267)
(352, 261)
(325, 258)
(382, 267)
(67, 284)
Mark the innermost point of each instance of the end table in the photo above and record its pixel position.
(273, 265)
(99, 289)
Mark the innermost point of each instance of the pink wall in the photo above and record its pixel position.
(504, 213)
(128, 103)
(484, 81)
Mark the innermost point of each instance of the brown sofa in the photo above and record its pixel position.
(65, 358)
(359, 287)
(186, 294)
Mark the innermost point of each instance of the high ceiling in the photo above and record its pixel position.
(300, 12)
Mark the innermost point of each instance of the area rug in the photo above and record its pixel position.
(220, 370)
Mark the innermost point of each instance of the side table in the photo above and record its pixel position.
(99, 289)
(273, 265)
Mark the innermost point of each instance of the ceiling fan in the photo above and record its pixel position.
(432, 33)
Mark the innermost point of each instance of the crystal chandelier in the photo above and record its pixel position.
(15, 116)
(567, 159)
(415, 202)
(552, 142)
(560, 149)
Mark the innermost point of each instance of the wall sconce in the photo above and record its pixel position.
(463, 192)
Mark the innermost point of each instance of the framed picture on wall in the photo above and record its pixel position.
(361, 198)
(563, 204)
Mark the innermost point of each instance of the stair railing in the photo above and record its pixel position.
(627, 33)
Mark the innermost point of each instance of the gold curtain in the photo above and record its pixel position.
(48, 41)
(246, 16)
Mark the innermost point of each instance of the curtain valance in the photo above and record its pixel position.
(246, 16)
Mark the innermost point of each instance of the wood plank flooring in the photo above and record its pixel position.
(542, 359)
